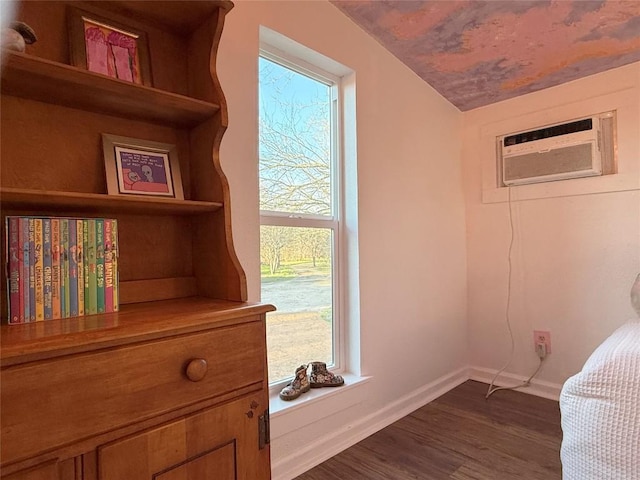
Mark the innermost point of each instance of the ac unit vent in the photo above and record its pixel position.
(567, 162)
(555, 152)
(548, 132)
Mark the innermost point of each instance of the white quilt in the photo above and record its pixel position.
(600, 409)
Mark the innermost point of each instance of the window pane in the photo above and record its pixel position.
(297, 278)
(295, 141)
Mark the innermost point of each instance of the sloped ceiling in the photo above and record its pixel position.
(479, 52)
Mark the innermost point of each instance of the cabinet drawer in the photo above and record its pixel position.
(51, 403)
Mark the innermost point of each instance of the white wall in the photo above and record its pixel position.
(411, 228)
(576, 253)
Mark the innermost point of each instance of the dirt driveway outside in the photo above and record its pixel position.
(300, 331)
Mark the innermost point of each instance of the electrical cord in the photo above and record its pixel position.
(492, 389)
(526, 383)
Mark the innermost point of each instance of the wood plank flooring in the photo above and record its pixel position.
(459, 436)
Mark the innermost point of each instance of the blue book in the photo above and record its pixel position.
(73, 268)
(46, 240)
(100, 265)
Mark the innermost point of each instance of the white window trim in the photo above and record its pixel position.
(626, 178)
(333, 221)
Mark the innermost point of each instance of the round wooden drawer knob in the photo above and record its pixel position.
(197, 369)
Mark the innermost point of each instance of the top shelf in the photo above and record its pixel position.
(52, 82)
(172, 15)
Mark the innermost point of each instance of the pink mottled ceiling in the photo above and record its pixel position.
(480, 52)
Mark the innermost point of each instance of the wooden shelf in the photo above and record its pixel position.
(133, 323)
(18, 198)
(175, 17)
(52, 82)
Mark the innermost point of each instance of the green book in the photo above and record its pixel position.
(100, 265)
(91, 308)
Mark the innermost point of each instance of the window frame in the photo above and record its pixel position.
(334, 222)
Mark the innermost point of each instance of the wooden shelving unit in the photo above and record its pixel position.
(183, 362)
(54, 115)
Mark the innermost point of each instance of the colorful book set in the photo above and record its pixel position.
(61, 267)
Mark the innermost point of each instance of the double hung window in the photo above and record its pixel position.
(300, 203)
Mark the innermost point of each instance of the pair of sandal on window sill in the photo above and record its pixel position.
(302, 383)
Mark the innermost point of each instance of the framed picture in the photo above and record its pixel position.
(141, 167)
(108, 47)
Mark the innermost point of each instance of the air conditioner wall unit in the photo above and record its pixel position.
(555, 152)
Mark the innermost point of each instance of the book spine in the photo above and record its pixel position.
(108, 267)
(93, 289)
(114, 262)
(32, 271)
(24, 241)
(13, 263)
(85, 260)
(55, 267)
(24, 274)
(46, 255)
(64, 268)
(39, 269)
(80, 262)
(73, 268)
(100, 264)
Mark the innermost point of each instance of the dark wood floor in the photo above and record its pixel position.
(459, 436)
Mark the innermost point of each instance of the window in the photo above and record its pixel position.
(299, 213)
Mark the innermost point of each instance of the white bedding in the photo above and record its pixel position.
(600, 409)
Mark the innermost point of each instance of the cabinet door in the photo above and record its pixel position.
(220, 443)
(47, 471)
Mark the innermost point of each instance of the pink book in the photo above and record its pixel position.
(108, 266)
(14, 270)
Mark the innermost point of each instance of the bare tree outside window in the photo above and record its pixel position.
(295, 155)
(296, 196)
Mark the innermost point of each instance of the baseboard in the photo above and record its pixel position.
(539, 388)
(326, 447)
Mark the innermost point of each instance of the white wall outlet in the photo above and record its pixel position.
(542, 336)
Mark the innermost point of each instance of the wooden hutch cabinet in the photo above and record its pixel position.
(173, 386)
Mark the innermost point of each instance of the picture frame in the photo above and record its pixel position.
(141, 167)
(109, 47)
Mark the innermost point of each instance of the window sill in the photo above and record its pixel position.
(318, 403)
